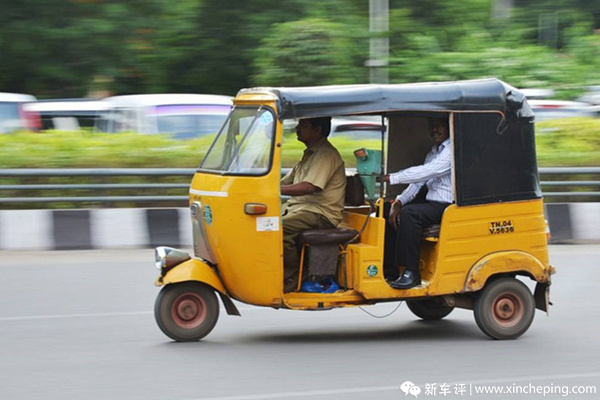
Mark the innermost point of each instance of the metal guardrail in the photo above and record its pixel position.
(573, 194)
(29, 173)
(573, 190)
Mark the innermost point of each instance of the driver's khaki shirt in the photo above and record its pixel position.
(321, 165)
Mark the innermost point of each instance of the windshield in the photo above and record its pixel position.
(243, 146)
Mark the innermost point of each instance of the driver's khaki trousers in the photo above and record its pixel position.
(293, 223)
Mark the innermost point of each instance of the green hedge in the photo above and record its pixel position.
(54, 149)
(571, 142)
(564, 142)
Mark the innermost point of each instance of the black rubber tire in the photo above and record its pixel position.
(186, 312)
(431, 309)
(504, 309)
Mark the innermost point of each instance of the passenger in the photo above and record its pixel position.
(317, 185)
(409, 219)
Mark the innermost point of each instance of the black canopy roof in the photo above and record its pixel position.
(474, 95)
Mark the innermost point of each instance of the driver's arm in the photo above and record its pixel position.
(298, 189)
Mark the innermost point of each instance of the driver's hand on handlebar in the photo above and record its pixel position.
(394, 217)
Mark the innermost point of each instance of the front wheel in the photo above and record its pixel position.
(187, 311)
(504, 309)
(430, 309)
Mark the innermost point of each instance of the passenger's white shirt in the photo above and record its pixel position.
(435, 173)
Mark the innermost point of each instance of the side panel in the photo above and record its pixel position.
(470, 234)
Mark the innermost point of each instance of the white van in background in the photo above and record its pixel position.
(67, 114)
(545, 107)
(555, 109)
(184, 116)
(12, 115)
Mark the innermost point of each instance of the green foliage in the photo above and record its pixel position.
(78, 47)
(568, 142)
(480, 53)
(303, 53)
(53, 149)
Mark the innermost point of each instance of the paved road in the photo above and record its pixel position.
(79, 325)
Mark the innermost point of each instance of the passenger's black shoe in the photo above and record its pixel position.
(407, 280)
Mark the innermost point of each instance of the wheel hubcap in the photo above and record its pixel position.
(189, 310)
(508, 309)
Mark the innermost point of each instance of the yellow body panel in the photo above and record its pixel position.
(249, 258)
(470, 234)
(192, 270)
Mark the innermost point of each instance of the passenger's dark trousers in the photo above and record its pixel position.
(403, 246)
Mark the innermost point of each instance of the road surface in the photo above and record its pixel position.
(79, 325)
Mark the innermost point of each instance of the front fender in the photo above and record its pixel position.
(199, 271)
(505, 262)
(192, 270)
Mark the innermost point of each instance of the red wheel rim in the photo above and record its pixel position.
(188, 310)
(507, 310)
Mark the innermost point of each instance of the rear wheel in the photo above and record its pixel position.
(186, 311)
(430, 309)
(504, 309)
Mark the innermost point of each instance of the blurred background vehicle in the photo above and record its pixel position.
(184, 116)
(357, 128)
(67, 114)
(592, 95)
(13, 116)
(536, 94)
(553, 109)
(545, 107)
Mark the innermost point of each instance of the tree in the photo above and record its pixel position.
(306, 52)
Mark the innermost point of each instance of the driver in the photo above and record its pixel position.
(317, 185)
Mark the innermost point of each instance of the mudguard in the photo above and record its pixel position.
(197, 270)
(505, 262)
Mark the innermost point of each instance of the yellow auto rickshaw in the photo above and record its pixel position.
(493, 233)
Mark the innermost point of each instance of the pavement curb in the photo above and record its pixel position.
(94, 229)
(570, 223)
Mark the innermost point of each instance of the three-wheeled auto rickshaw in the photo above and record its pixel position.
(493, 234)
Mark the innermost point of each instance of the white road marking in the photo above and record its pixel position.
(106, 314)
(62, 316)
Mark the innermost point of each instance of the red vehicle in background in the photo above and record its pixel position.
(13, 117)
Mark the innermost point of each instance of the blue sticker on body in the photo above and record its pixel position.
(372, 270)
(266, 118)
(208, 215)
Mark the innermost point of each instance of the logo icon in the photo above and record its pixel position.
(372, 270)
(410, 388)
(208, 215)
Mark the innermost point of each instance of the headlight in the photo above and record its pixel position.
(168, 257)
